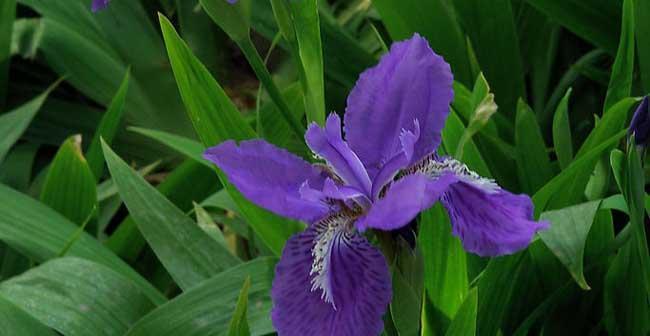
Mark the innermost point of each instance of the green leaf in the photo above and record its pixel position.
(451, 137)
(234, 19)
(306, 26)
(445, 267)
(211, 304)
(620, 82)
(238, 323)
(439, 27)
(16, 170)
(7, 16)
(617, 161)
(203, 96)
(597, 21)
(404, 306)
(626, 308)
(567, 236)
(553, 194)
(214, 116)
(207, 224)
(15, 122)
(190, 181)
(533, 164)
(78, 297)
(187, 252)
(188, 147)
(642, 25)
(42, 234)
(107, 128)
(464, 323)
(69, 187)
(503, 70)
(562, 132)
(15, 321)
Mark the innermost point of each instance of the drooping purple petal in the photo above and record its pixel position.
(489, 222)
(640, 125)
(99, 5)
(328, 143)
(410, 82)
(270, 177)
(404, 200)
(360, 283)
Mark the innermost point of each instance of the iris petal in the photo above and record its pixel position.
(359, 280)
(410, 82)
(270, 177)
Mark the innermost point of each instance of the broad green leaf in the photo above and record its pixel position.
(15, 122)
(203, 96)
(107, 128)
(15, 321)
(187, 252)
(439, 27)
(188, 147)
(445, 267)
(43, 233)
(207, 308)
(642, 25)
(626, 307)
(562, 132)
(238, 323)
(78, 297)
(491, 29)
(189, 182)
(533, 164)
(464, 323)
(567, 236)
(7, 16)
(620, 82)
(597, 21)
(69, 187)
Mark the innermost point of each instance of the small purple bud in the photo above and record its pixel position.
(640, 125)
(232, 2)
(99, 5)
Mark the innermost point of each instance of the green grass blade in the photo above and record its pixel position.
(15, 122)
(188, 147)
(238, 323)
(7, 16)
(15, 321)
(69, 186)
(498, 54)
(533, 164)
(42, 233)
(187, 252)
(213, 301)
(562, 140)
(620, 82)
(107, 128)
(78, 297)
(464, 322)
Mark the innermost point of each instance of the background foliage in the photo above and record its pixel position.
(111, 223)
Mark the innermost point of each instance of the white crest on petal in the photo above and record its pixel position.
(330, 231)
(435, 167)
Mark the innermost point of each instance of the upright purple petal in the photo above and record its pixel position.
(99, 5)
(404, 200)
(490, 222)
(360, 282)
(328, 143)
(410, 83)
(640, 125)
(270, 177)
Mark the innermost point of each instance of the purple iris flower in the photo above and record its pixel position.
(640, 125)
(330, 280)
(99, 5)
